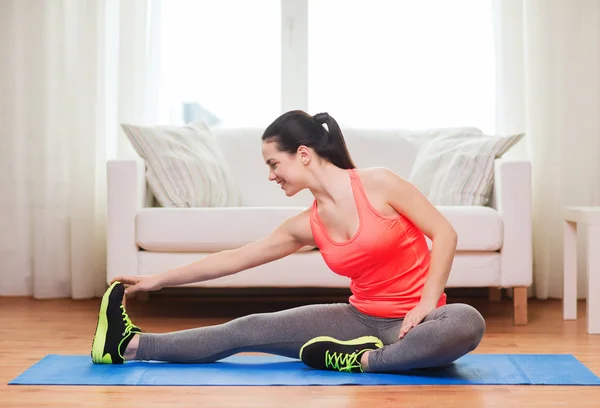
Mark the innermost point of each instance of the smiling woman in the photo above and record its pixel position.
(370, 226)
(297, 129)
(293, 133)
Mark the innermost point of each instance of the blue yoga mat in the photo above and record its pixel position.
(472, 369)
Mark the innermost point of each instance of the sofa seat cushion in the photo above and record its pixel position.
(207, 229)
(479, 228)
(220, 228)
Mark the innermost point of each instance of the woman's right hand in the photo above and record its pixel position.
(139, 283)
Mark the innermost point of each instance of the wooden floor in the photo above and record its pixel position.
(30, 329)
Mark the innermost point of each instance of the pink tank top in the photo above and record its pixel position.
(387, 260)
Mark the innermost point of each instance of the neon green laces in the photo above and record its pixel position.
(128, 324)
(344, 362)
(128, 328)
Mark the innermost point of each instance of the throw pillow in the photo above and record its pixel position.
(458, 169)
(184, 165)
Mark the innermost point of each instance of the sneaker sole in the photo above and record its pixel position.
(101, 329)
(353, 342)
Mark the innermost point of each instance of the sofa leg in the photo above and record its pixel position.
(494, 294)
(520, 305)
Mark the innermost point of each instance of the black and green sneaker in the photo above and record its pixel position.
(114, 330)
(327, 353)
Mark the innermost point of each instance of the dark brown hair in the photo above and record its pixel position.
(297, 128)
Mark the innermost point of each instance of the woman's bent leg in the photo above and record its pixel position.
(446, 334)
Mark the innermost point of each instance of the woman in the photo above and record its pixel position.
(369, 225)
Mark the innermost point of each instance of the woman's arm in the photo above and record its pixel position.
(406, 199)
(289, 237)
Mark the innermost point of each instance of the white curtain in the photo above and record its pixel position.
(548, 85)
(70, 71)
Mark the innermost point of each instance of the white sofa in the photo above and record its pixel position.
(494, 242)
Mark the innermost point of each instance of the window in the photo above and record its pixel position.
(369, 63)
(396, 63)
(220, 61)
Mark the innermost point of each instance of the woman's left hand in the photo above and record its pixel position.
(414, 317)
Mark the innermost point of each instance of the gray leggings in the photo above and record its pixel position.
(446, 334)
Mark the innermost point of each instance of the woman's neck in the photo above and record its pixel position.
(329, 184)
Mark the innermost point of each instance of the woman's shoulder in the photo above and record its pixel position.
(384, 180)
(378, 176)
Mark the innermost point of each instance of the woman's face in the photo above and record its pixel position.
(287, 170)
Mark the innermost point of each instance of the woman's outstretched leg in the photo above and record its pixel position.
(281, 333)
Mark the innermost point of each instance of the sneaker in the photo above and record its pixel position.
(114, 330)
(327, 353)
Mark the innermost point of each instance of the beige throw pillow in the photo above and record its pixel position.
(458, 169)
(184, 165)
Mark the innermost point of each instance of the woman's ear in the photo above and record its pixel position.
(304, 154)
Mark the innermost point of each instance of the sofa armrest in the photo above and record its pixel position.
(127, 192)
(512, 198)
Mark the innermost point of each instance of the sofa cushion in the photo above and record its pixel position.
(207, 229)
(185, 166)
(458, 168)
(216, 229)
(479, 228)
